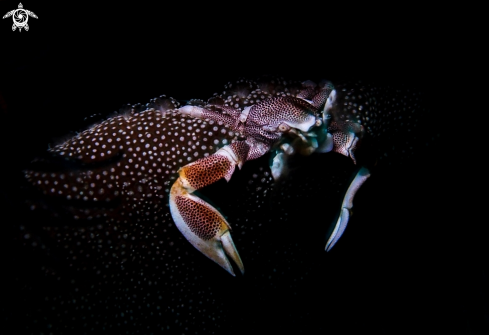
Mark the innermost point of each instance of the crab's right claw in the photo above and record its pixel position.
(204, 227)
(201, 224)
(345, 212)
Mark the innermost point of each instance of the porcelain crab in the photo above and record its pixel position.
(163, 153)
(285, 123)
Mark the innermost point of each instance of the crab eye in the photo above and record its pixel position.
(283, 127)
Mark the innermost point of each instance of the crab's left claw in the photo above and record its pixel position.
(201, 224)
(346, 207)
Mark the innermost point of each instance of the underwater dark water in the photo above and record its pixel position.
(401, 266)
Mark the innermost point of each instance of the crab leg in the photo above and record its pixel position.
(201, 224)
(345, 212)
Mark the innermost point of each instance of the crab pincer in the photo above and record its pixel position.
(200, 223)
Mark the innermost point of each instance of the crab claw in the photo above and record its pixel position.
(204, 227)
(201, 224)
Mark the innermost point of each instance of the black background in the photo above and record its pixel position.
(77, 60)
